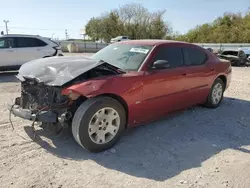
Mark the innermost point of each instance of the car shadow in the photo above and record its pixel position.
(8, 76)
(163, 149)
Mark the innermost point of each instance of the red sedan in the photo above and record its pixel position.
(123, 85)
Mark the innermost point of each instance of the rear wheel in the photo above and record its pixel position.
(98, 123)
(216, 94)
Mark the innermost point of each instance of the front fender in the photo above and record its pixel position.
(88, 89)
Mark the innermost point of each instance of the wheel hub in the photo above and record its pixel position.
(217, 93)
(104, 125)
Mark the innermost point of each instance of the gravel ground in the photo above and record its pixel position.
(196, 148)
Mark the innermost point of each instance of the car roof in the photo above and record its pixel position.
(151, 42)
(233, 50)
(19, 35)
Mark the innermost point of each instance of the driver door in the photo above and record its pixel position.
(164, 89)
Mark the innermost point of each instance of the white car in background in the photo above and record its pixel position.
(16, 50)
(119, 38)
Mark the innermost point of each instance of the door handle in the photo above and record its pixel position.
(10, 51)
(184, 74)
(212, 69)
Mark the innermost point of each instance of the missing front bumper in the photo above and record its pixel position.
(43, 116)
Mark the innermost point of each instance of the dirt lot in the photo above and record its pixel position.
(196, 148)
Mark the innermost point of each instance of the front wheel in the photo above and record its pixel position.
(98, 123)
(216, 94)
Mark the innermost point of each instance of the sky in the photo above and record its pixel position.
(50, 18)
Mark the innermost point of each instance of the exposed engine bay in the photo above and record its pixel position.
(36, 96)
(101, 70)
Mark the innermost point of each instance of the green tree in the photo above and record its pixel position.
(94, 28)
(158, 27)
(112, 26)
(132, 20)
(229, 28)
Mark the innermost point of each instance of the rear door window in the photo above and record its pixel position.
(25, 42)
(173, 55)
(194, 56)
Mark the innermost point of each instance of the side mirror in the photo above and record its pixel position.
(161, 64)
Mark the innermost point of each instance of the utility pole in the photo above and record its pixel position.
(66, 34)
(6, 25)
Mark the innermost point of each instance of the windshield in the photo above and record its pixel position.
(128, 57)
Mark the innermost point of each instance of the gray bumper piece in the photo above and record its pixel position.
(43, 116)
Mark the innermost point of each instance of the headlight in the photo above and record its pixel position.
(71, 94)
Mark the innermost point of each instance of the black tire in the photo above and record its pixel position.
(209, 103)
(83, 115)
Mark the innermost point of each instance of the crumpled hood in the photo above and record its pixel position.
(57, 71)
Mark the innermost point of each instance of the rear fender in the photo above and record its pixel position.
(227, 77)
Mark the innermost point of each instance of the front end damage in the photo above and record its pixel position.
(42, 103)
(42, 98)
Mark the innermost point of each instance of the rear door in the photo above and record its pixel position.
(8, 52)
(29, 48)
(200, 72)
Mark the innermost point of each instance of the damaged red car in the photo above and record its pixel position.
(123, 85)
